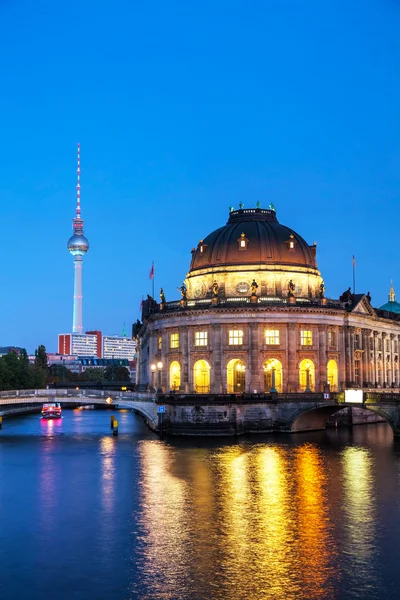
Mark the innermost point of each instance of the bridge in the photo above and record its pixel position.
(143, 403)
(223, 414)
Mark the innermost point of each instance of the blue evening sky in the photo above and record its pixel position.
(183, 108)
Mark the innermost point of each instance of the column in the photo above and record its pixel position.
(253, 382)
(392, 373)
(365, 361)
(184, 347)
(322, 358)
(384, 362)
(342, 358)
(348, 356)
(216, 367)
(292, 374)
(375, 359)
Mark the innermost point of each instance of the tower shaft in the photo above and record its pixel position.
(78, 245)
(77, 325)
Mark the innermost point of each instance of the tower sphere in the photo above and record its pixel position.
(78, 245)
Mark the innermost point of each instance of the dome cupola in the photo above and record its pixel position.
(254, 245)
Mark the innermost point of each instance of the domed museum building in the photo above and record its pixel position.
(253, 318)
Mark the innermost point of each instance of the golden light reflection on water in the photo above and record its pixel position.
(108, 483)
(316, 548)
(359, 505)
(165, 528)
(241, 522)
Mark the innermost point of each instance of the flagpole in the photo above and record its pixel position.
(153, 279)
(354, 275)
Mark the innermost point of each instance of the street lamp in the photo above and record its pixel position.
(308, 366)
(153, 376)
(159, 367)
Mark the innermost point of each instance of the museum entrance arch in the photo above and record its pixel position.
(201, 377)
(236, 376)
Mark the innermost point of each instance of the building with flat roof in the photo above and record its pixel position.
(115, 346)
(79, 344)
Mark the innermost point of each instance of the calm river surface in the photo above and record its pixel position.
(84, 515)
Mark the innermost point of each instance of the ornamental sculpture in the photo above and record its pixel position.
(254, 287)
(291, 288)
(183, 291)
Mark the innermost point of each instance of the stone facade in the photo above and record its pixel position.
(253, 318)
(363, 346)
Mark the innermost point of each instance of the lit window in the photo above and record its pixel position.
(174, 340)
(235, 337)
(200, 338)
(243, 241)
(306, 338)
(202, 247)
(291, 242)
(331, 338)
(159, 345)
(272, 337)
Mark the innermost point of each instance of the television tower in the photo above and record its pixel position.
(78, 245)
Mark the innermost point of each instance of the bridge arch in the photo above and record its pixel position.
(313, 419)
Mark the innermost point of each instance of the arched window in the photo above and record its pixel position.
(272, 375)
(307, 375)
(332, 375)
(201, 377)
(174, 375)
(236, 376)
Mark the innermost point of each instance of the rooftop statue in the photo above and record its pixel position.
(254, 286)
(183, 291)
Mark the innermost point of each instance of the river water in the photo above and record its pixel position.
(84, 515)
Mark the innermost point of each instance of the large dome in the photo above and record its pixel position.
(254, 245)
(265, 240)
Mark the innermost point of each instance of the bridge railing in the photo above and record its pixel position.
(78, 393)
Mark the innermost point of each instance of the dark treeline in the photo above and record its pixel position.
(16, 373)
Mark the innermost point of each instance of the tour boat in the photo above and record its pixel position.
(51, 410)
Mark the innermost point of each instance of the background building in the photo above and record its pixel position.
(119, 347)
(253, 317)
(85, 344)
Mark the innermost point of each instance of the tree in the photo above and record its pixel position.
(116, 373)
(58, 373)
(92, 374)
(41, 358)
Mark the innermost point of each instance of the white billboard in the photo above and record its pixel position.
(354, 396)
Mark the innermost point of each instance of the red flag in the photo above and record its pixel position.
(152, 272)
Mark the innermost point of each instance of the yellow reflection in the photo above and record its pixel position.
(359, 503)
(108, 483)
(164, 518)
(277, 527)
(316, 548)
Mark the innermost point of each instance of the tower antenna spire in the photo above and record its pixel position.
(78, 184)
